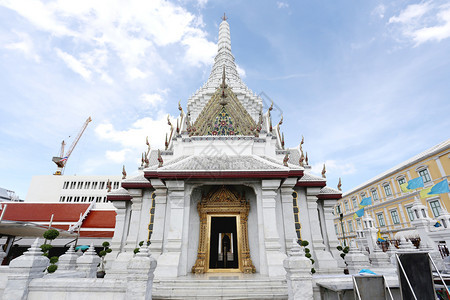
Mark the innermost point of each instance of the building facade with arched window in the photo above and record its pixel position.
(391, 208)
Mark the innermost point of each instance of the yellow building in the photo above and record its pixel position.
(391, 208)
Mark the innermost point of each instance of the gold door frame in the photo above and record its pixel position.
(223, 202)
(208, 247)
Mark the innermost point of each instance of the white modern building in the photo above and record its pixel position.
(72, 189)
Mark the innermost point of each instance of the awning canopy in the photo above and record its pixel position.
(28, 229)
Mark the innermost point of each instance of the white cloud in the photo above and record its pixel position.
(281, 4)
(241, 71)
(74, 64)
(117, 156)
(135, 73)
(438, 32)
(379, 11)
(153, 100)
(199, 51)
(337, 168)
(134, 137)
(411, 12)
(423, 22)
(133, 31)
(202, 3)
(25, 45)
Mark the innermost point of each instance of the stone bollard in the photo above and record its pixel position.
(88, 263)
(140, 275)
(22, 270)
(356, 259)
(68, 261)
(405, 246)
(379, 259)
(118, 268)
(298, 274)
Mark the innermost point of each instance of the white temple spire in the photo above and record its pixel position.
(224, 43)
(224, 58)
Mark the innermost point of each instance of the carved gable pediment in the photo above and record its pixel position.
(224, 118)
(221, 195)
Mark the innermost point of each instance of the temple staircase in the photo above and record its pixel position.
(223, 286)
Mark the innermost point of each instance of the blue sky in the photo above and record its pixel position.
(366, 82)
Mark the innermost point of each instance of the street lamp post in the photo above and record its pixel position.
(341, 217)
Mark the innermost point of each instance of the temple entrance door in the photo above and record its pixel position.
(223, 241)
(224, 244)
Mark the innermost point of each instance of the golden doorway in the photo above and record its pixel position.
(223, 242)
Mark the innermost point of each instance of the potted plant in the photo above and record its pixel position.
(101, 273)
(305, 243)
(50, 235)
(344, 251)
(136, 250)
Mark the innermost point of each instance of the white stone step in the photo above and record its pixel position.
(210, 286)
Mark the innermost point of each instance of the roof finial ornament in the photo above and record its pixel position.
(166, 143)
(224, 18)
(224, 84)
(180, 109)
(339, 184)
(286, 159)
(124, 173)
(306, 158)
(160, 159)
(146, 154)
(169, 123)
(108, 185)
(302, 158)
(281, 121)
(324, 170)
(146, 161)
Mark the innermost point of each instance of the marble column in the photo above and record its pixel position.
(135, 215)
(156, 246)
(120, 234)
(288, 212)
(271, 237)
(169, 261)
(145, 215)
(117, 260)
(328, 223)
(325, 262)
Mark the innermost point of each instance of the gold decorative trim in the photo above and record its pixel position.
(243, 123)
(152, 217)
(298, 226)
(221, 203)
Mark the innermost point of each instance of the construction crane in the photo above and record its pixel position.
(61, 160)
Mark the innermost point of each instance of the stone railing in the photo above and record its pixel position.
(26, 278)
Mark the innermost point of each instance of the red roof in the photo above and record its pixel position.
(42, 212)
(64, 212)
(100, 219)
